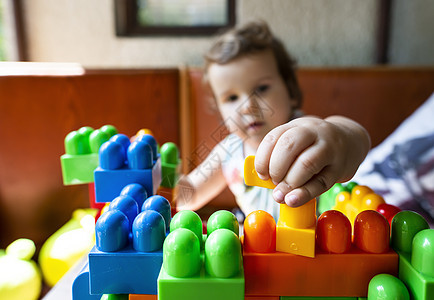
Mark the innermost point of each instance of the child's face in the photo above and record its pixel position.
(251, 95)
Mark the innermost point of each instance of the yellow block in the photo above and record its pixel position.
(251, 177)
(296, 229)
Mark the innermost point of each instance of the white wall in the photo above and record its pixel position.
(317, 32)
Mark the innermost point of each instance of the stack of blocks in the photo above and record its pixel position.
(341, 268)
(336, 258)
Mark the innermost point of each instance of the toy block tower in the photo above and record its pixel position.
(202, 268)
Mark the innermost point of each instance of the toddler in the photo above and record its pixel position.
(254, 84)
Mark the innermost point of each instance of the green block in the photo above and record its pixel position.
(192, 271)
(420, 286)
(328, 199)
(200, 287)
(169, 164)
(318, 298)
(78, 169)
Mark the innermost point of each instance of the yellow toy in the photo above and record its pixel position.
(20, 278)
(67, 245)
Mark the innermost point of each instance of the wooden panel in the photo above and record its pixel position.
(36, 113)
(378, 98)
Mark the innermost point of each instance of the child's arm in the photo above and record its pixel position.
(199, 187)
(306, 156)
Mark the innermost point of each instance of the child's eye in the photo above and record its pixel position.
(232, 98)
(262, 88)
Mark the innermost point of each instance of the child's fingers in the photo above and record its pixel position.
(313, 188)
(263, 154)
(308, 164)
(289, 146)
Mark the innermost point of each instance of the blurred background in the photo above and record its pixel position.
(317, 32)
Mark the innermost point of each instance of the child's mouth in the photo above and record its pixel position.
(255, 126)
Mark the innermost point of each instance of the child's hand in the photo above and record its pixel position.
(306, 156)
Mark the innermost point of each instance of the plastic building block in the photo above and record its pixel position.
(295, 230)
(385, 286)
(122, 163)
(128, 256)
(170, 161)
(359, 199)
(67, 245)
(19, 275)
(388, 211)
(80, 286)
(329, 274)
(81, 153)
(334, 232)
(188, 272)
(259, 232)
(414, 243)
(143, 297)
(251, 177)
(405, 225)
(374, 237)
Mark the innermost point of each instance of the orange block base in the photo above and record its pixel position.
(326, 275)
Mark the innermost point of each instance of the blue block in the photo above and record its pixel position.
(124, 272)
(80, 287)
(109, 183)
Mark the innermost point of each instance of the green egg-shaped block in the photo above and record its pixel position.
(387, 287)
(223, 257)
(405, 225)
(181, 253)
(222, 219)
(169, 153)
(96, 139)
(110, 130)
(76, 144)
(187, 219)
(350, 185)
(422, 256)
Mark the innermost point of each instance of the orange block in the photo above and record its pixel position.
(327, 275)
(142, 297)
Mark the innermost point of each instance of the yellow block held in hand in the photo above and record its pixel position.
(251, 177)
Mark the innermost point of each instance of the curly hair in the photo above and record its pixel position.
(251, 38)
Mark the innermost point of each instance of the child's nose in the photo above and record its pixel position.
(250, 104)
